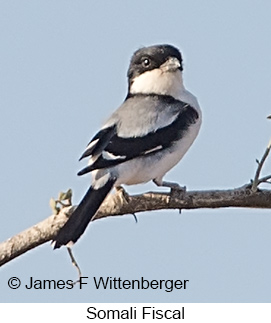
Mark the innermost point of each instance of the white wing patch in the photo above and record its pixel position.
(110, 156)
(153, 149)
(91, 144)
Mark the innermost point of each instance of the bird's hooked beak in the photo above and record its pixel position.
(171, 65)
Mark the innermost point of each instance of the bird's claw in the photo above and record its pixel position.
(122, 194)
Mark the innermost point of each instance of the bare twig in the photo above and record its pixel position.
(256, 180)
(74, 262)
(264, 179)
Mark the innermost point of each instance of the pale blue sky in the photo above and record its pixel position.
(63, 71)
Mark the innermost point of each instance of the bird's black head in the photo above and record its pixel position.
(155, 69)
(149, 58)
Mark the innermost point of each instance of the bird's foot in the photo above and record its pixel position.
(175, 189)
(171, 185)
(124, 197)
(122, 194)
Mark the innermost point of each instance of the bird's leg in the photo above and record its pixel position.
(175, 188)
(171, 185)
(124, 197)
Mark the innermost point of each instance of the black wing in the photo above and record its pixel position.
(99, 142)
(118, 149)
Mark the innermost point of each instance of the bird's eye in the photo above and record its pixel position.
(146, 62)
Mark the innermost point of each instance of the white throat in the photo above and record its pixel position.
(158, 82)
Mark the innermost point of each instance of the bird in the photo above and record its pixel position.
(143, 139)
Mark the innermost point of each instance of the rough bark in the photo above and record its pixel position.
(119, 204)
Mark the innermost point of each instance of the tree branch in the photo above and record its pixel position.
(257, 180)
(117, 205)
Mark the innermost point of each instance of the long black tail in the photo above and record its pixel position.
(80, 218)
